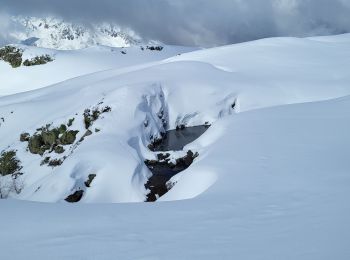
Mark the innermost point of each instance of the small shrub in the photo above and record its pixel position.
(9, 164)
(68, 137)
(50, 139)
(38, 60)
(59, 149)
(55, 162)
(92, 115)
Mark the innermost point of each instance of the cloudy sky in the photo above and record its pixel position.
(195, 22)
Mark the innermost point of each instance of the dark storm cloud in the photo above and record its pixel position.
(200, 22)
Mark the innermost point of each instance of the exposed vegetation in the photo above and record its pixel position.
(91, 115)
(55, 162)
(47, 139)
(12, 55)
(9, 163)
(24, 137)
(38, 60)
(70, 122)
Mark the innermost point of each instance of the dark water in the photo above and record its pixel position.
(175, 140)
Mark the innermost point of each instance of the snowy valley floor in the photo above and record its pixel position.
(271, 180)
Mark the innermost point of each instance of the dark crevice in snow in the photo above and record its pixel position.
(164, 168)
(166, 156)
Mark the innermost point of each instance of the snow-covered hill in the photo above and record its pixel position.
(52, 32)
(270, 180)
(74, 63)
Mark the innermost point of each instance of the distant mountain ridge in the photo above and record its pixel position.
(51, 32)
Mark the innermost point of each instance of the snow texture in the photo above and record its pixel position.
(272, 176)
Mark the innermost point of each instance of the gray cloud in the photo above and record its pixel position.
(200, 22)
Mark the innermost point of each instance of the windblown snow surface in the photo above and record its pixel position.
(73, 63)
(271, 180)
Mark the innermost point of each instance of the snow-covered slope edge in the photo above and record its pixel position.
(74, 63)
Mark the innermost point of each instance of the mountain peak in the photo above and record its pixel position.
(52, 32)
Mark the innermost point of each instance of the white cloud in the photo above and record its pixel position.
(201, 22)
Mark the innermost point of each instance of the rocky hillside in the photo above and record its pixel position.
(50, 32)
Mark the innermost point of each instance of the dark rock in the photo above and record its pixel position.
(75, 197)
(24, 137)
(154, 143)
(162, 156)
(70, 122)
(154, 48)
(187, 160)
(162, 170)
(180, 127)
(91, 177)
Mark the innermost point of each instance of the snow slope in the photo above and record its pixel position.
(69, 64)
(270, 182)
